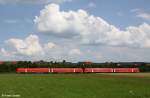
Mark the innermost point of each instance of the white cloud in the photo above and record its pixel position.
(75, 52)
(5, 53)
(139, 36)
(50, 45)
(30, 46)
(145, 16)
(141, 14)
(91, 29)
(61, 51)
(33, 1)
(51, 14)
(52, 20)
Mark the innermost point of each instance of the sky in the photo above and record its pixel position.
(75, 30)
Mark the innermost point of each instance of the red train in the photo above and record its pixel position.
(77, 70)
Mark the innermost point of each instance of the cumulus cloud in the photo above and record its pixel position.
(75, 52)
(61, 51)
(50, 45)
(33, 1)
(89, 28)
(5, 53)
(30, 46)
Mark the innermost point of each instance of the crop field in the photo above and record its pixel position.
(133, 85)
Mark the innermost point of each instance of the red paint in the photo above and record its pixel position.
(19, 70)
(38, 70)
(33, 70)
(65, 70)
(98, 70)
(126, 70)
(75, 70)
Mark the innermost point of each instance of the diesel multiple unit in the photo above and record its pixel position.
(77, 70)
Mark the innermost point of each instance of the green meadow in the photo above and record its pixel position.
(74, 86)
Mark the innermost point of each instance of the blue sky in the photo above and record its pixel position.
(17, 28)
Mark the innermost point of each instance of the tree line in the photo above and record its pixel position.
(11, 67)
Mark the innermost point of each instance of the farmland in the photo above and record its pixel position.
(106, 85)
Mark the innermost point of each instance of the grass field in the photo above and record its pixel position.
(74, 86)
